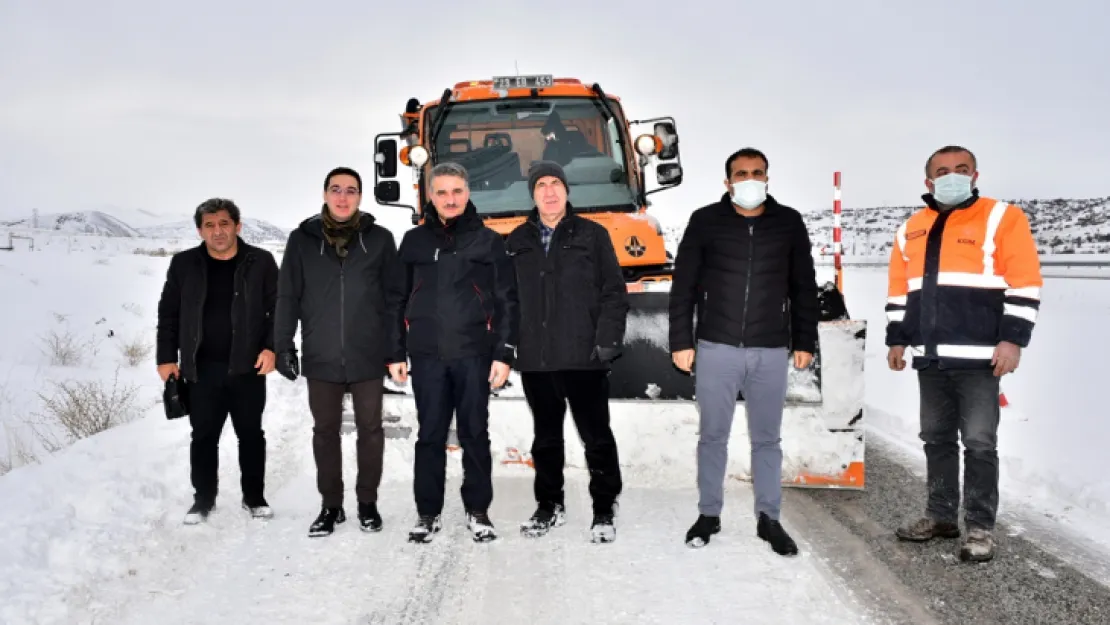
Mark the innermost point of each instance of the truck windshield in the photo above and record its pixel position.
(497, 141)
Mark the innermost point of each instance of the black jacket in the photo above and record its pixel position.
(460, 295)
(573, 298)
(751, 279)
(344, 306)
(181, 309)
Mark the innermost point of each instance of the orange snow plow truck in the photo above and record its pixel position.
(496, 128)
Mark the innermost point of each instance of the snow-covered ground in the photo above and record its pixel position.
(93, 532)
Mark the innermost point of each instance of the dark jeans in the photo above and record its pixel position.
(442, 389)
(588, 395)
(961, 404)
(325, 400)
(214, 396)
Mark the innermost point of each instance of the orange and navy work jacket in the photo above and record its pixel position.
(962, 280)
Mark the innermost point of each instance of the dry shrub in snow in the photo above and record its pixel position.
(82, 409)
(135, 351)
(63, 348)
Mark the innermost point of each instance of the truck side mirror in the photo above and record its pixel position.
(385, 158)
(668, 174)
(387, 191)
(669, 137)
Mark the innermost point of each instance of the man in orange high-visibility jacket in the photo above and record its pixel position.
(965, 287)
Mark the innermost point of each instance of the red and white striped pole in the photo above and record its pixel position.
(836, 233)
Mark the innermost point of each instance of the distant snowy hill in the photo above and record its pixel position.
(99, 223)
(88, 222)
(1061, 226)
(254, 231)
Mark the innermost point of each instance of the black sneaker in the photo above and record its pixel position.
(773, 532)
(543, 519)
(699, 533)
(198, 513)
(368, 517)
(258, 508)
(603, 529)
(481, 528)
(324, 524)
(425, 529)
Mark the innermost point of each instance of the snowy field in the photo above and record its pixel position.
(93, 531)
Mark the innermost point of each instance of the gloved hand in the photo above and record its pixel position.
(288, 365)
(607, 354)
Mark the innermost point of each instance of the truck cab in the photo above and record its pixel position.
(497, 128)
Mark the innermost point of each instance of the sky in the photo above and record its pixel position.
(134, 105)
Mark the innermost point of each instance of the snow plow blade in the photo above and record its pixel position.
(655, 418)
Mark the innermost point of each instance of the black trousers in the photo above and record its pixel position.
(587, 392)
(961, 404)
(325, 401)
(442, 389)
(214, 396)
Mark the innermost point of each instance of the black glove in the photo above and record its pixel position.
(607, 354)
(288, 365)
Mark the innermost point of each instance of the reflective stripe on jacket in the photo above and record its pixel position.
(961, 281)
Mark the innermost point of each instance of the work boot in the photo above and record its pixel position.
(772, 531)
(978, 547)
(925, 529)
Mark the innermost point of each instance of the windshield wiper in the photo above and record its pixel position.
(444, 106)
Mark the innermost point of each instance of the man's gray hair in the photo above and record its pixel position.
(449, 168)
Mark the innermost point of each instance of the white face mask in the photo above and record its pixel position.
(749, 194)
(952, 189)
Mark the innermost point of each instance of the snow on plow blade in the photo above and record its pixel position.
(655, 419)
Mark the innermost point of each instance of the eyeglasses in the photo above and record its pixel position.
(337, 190)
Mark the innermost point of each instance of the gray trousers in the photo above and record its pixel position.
(761, 374)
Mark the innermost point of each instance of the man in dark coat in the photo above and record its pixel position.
(336, 280)
(573, 307)
(745, 263)
(458, 324)
(216, 317)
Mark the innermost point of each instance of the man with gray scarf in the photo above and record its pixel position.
(338, 277)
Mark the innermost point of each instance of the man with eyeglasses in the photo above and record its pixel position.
(337, 279)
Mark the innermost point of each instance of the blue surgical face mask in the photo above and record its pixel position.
(952, 189)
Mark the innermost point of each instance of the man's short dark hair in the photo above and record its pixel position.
(213, 206)
(744, 153)
(343, 171)
(951, 149)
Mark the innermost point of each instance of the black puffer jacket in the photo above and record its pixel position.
(460, 298)
(572, 299)
(343, 306)
(752, 280)
(181, 309)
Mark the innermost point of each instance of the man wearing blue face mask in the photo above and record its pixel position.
(964, 292)
(745, 263)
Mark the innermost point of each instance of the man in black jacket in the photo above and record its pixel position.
(458, 324)
(336, 280)
(745, 262)
(573, 306)
(215, 317)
